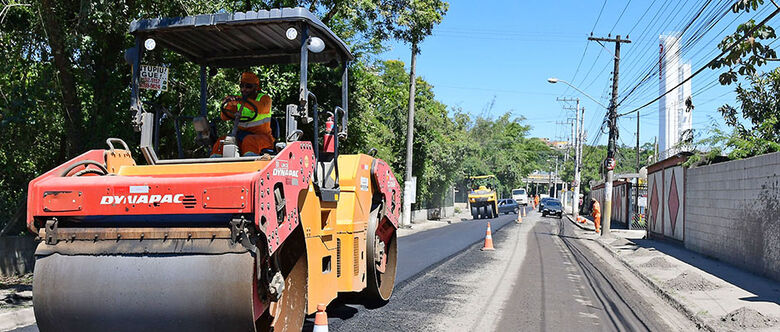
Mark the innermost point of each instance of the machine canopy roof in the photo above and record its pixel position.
(242, 39)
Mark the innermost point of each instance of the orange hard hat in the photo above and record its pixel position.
(251, 78)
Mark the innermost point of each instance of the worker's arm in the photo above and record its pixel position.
(264, 105)
(231, 105)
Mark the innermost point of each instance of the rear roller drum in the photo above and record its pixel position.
(289, 312)
(382, 253)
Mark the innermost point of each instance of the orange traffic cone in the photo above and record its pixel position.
(524, 212)
(488, 240)
(519, 218)
(320, 319)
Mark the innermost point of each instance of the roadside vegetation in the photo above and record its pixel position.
(64, 90)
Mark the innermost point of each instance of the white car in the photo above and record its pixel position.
(520, 196)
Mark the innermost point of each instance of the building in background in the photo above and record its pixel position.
(674, 109)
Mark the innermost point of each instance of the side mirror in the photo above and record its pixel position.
(202, 127)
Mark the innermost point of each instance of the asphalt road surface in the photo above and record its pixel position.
(563, 287)
(416, 253)
(540, 278)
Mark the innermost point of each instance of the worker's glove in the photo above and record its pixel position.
(231, 99)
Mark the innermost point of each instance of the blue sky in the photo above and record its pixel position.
(508, 49)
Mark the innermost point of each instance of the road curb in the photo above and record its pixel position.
(16, 319)
(701, 324)
(581, 226)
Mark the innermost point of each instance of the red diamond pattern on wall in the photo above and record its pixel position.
(654, 202)
(674, 202)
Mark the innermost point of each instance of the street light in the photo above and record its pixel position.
(554, 80)
(575, 206)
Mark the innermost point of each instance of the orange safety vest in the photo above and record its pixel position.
(260, 124)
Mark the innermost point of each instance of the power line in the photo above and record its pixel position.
(619, 17)
(708, 63)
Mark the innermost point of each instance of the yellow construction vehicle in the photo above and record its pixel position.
(240, 242)
(482, 197)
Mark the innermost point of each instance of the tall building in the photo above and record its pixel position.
(674, 114)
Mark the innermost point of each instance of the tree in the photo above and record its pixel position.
(413, 21)
(502, 147)
(759, 98)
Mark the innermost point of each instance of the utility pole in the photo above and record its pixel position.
(409, 191)
(555, 179)
(580, 139)
(636, 187)
(611, 146)
(577, 138)
(567, 122)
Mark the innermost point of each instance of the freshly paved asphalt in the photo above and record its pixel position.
(562, 286)
(417, 253)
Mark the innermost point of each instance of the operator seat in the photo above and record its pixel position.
(275, 133)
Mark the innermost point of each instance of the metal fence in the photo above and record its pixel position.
(639, 216)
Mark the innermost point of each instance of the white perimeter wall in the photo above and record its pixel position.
(732, 213)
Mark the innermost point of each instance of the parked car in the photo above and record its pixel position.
(542, 201)
(508, 205)
(520, 196)
(553, 207)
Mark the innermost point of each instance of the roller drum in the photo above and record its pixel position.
(146, 292)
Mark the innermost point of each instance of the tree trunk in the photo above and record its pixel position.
(71, 108)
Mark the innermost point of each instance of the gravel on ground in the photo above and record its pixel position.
(15, 292)
(657, 263)
(745, 318)
(690, 281)
(641, 252)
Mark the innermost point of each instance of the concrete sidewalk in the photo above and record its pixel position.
(715, 295)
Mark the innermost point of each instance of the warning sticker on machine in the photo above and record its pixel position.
(154, 78)
(363, 183)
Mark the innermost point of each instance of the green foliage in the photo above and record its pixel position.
(760, 107)
(749, 52)
(758, 93)
(411, 21)
(502, 147)
(722, 145)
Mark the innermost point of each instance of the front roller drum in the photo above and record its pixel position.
(382, 251)
(196, 292)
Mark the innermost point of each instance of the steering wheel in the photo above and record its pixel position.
(244, 103)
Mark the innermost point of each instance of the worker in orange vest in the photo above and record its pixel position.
(254, 127)
(536, 201)
(596, 213)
